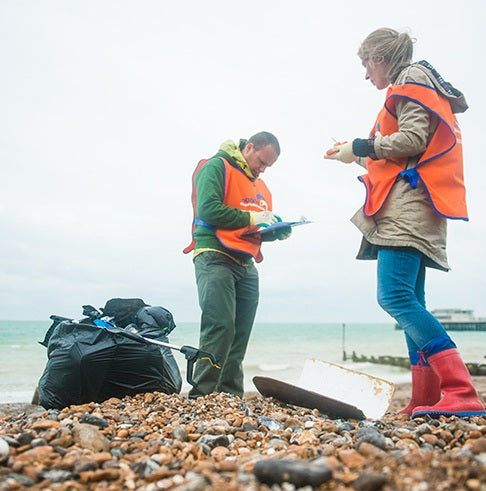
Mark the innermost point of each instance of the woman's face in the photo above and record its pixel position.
(376, 74)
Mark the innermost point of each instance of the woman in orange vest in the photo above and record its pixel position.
(414, 183)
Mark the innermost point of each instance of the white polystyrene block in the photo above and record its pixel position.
(371, 394)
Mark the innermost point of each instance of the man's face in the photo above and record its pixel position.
(259, 160)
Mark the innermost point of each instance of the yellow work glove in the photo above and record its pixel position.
(263, 218)
(342, 152)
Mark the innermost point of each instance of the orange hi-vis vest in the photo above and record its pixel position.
(239, 192)
(440, 168)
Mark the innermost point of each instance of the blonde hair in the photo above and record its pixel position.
(390, 47)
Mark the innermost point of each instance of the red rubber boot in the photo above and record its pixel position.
(460, 396)
(425, 388)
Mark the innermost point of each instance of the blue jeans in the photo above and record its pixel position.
(401, 293)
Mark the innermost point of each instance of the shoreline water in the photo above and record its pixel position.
(275, 350)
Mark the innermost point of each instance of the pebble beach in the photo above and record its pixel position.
(157, 441)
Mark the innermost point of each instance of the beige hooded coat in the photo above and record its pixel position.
(407, 218)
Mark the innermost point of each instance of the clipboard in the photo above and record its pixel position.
(262, 231)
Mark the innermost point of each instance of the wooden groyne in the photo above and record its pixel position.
(404, 362)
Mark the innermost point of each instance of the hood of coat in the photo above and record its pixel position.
(233, 151)
(456, 97)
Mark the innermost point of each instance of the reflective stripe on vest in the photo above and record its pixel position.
(440, 168)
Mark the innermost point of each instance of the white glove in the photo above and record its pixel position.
(342, 152)
(263, 218)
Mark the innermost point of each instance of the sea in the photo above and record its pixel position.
(275, 350)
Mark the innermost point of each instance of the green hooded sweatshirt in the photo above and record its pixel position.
(209, 203)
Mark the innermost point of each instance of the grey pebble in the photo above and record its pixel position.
(56, 475)
(25, 438)
(179, 433)
(371, 435)
(38, 442)
(297, 472)
(214, 440)
(94, 420)
(369, 481)
(269, 423)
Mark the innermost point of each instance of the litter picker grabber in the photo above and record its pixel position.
(190, 353)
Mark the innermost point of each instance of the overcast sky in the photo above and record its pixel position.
(107, 106)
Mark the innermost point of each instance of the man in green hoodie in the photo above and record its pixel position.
(230, 199)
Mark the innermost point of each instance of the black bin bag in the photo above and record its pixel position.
(93, 360)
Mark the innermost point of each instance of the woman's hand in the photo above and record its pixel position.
(342, 152)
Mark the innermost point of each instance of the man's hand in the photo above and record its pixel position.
(342, 152)
(284, 233)
(280, 234)
(263, 218)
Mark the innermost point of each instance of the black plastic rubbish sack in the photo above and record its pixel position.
(87, 362)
